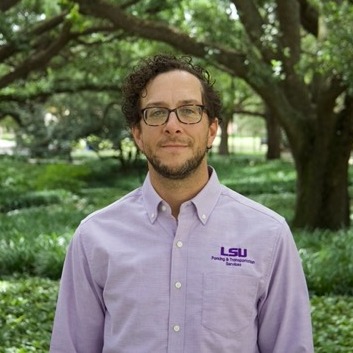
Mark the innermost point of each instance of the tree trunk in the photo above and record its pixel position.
(223, 148)
(273, 137)
(322, 202)
(322, 179)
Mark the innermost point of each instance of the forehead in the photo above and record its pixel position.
(173, 87)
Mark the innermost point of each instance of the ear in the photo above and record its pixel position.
(212, 131)
(137, 135)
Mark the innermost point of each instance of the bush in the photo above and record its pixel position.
(49, 259)
(34, 241)
(282, 203)
(17, 175)
(42, 256)
(327, 261)
(13, 200)
(63, 176)
(332, 324)
(250, 176)
(27, 307)
(35, 234)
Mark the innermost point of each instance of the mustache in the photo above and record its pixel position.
(176, 141)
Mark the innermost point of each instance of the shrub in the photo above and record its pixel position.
(50, 257)
(63, 176)
(34, 241)
(327, 261)
(255, 176)
(332, 324)
(43, 255)
(282, 203)
(13, 200)
(17, 175)
(27, 307)
(30, 239)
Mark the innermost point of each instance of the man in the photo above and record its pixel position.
(182, 264)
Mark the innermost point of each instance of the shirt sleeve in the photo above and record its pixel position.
(284, 311)
(79, 318)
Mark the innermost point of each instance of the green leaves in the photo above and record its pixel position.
(27, 307)
(332, 324)
(327, 261)
(33, 242)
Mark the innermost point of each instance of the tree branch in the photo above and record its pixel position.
(328, 94)
(254, 26)
(68, 88)
(158, 31)
(10, 49)
(7, 4)
(40, 59)
(249, 112)
(289, 23)
(309, 17)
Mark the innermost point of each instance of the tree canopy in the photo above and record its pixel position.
(295, 54)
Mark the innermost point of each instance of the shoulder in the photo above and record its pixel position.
(248, 208)
(117, 208)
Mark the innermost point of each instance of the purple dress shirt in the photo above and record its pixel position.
(223, 278)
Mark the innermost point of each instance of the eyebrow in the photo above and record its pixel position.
(180, 103)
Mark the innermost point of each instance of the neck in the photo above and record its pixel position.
(177, 191)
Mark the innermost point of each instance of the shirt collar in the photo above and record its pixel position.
(151, 199)
(204, 201)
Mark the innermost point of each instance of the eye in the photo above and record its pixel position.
(156, 112)
(188, 110)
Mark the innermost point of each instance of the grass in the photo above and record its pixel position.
(41, 205)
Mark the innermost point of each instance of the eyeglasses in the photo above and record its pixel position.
(186, 114)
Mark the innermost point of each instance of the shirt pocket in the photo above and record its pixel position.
(229, 302)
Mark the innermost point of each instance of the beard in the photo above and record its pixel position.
(178, 172)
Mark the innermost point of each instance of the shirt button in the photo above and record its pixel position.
(177, 285)
(179, 244)
(176, 328)
(163, 208)
(203, 216)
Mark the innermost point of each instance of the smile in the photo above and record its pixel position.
(174, 146)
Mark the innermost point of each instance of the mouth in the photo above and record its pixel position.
(174, 144)
(173, 148)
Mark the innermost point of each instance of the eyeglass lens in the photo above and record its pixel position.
(187, 114)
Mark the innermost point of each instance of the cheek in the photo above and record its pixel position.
(145, 141)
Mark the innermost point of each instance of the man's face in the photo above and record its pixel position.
(174, 150)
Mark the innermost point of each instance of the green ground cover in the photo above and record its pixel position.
(41, 205)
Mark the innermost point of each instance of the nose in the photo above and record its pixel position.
(173, 125)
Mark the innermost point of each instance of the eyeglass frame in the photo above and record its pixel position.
(175, 110)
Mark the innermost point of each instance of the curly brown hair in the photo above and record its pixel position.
(151, 67)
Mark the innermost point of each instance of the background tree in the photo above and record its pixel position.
(68, 94)
(284, 50)
(295, 54)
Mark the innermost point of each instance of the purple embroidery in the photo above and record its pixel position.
(239, 252)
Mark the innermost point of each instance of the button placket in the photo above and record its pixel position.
(178, 294)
